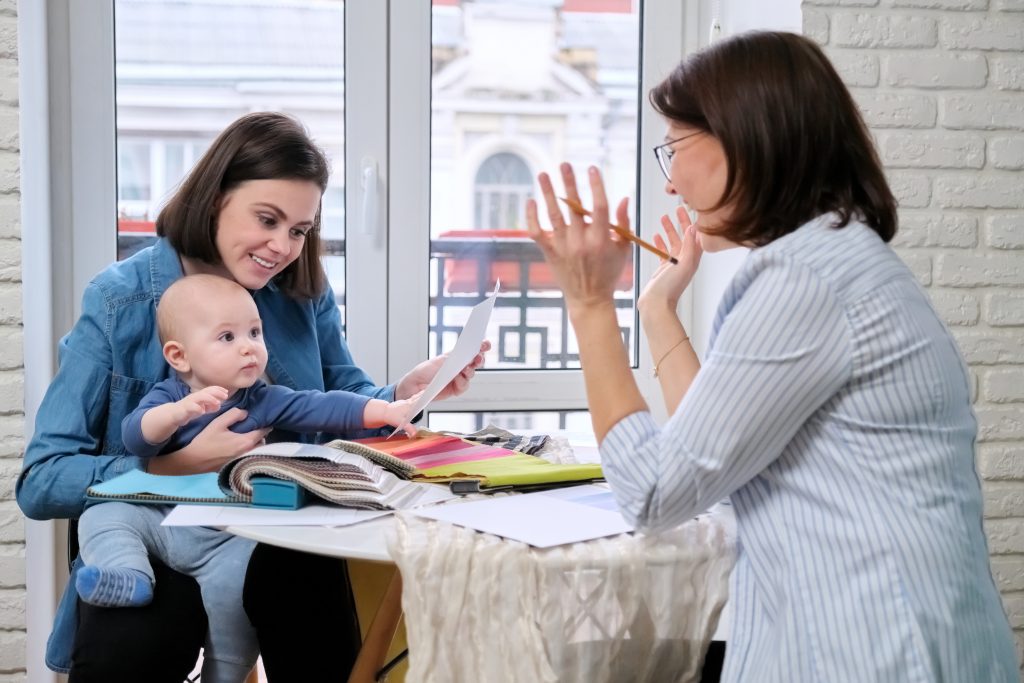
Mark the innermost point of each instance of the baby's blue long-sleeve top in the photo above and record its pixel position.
(268, 405)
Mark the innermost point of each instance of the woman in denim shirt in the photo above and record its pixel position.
(249, 211)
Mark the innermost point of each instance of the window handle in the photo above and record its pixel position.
(369, 182)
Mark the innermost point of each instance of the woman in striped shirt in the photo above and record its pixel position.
(832, 406)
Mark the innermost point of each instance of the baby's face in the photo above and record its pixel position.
(224, 343)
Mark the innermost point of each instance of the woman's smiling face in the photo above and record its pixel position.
(262, 226)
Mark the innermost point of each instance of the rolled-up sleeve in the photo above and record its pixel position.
(782, 351)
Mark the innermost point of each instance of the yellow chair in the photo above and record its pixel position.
(378, 593)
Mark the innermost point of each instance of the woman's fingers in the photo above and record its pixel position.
(692, 250)
(571, 236)
(600, 210)
(671, 235)
(230, 417)
(533, 229)
(256, 437)
(622, 213)
(660, 244)
(547, 191)
(569, 182)
(684, 217)
(459, 384)
(554, 242)
(543, 238)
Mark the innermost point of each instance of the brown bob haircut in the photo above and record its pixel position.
(259, 146)
(795, 142)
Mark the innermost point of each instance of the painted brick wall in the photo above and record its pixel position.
(12, 413)
(941, 84)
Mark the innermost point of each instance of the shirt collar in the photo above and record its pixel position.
(164, 267)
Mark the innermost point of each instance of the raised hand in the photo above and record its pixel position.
(586, 257)
(669, 281)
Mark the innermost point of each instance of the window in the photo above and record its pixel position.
(186, 68)
(553, 83)
(501, 188)
(435, 142)
(134, 184)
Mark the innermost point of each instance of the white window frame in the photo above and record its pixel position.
(367, 206)
(68, 181)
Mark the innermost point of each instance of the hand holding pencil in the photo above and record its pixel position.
(587, 257)
(578, 209)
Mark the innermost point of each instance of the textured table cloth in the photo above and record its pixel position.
(630, 607)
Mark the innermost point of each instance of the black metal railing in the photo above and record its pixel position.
(465, 270)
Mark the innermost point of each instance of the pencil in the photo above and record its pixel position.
(578, 209)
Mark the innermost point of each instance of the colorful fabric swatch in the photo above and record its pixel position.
(444, 458)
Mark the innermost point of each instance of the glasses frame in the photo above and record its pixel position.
(664, 153)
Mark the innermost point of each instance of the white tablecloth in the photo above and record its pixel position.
(626, 608)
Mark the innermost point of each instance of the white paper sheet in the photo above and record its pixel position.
(311, 515)
(466, 348)
(543, 519)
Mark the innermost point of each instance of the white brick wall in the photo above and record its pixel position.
(941, 83)
(12, 412)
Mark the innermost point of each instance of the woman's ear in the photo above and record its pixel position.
(174, 354)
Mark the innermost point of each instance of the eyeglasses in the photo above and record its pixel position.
(664, 153)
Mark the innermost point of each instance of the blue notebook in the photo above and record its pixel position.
(137, 486)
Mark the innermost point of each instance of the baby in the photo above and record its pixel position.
(212, 338)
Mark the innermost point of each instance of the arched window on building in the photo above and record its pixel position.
(500, 190)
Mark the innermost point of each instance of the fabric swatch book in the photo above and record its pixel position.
(472, 467)
(283, 476)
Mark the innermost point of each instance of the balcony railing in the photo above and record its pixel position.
(530, 313)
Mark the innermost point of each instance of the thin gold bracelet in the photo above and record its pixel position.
(665, 355)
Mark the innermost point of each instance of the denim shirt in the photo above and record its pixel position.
(112, 357)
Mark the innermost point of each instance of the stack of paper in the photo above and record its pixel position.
(542, 519)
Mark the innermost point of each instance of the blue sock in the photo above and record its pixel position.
(114, 587)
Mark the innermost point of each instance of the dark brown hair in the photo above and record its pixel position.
(795, 142)
(259, 146)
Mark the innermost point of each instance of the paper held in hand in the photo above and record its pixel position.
(466, 348)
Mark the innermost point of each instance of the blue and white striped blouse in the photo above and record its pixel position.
(833, 408)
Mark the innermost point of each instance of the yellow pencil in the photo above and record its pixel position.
(622, 232)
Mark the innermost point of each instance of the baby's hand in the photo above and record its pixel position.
(399, 412)
(201, 402)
